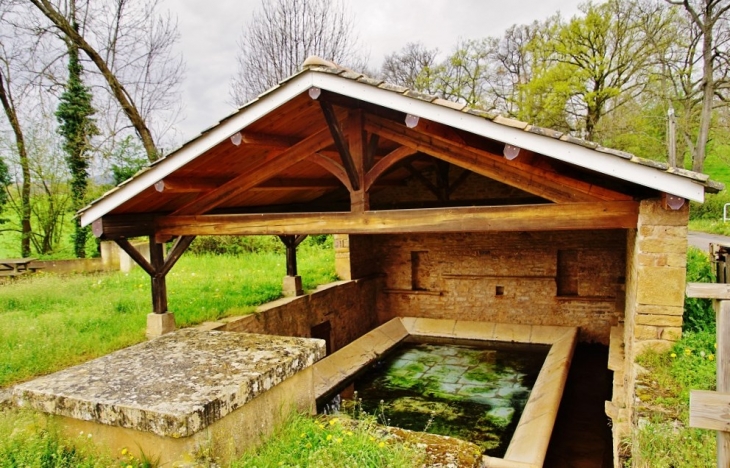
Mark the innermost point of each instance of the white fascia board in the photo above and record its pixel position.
(276, 98)
(560, 150)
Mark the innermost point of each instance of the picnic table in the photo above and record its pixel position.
(15, 266)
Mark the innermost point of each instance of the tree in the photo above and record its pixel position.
(710, 17)
(600, 60)
(281, 35)
(11, 111)
(414, 67)
(133, 54)
(77, 127)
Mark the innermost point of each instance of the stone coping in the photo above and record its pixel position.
(174, 385)
(529, 443)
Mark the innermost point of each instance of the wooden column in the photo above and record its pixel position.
(292, 281)
(711, 410)
(359, 198)
(158, 266)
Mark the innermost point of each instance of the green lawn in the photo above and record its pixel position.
(48, 322)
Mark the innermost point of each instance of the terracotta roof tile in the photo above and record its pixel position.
(548, 132)
(479, 113)
(421, 96)
(392, 87)
(507, 122)
(450, 104)
(614, 152)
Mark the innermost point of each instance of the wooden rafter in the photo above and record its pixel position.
(548, 217)
(268, 141)
(549, 185)
(279, 184)
(340, 143)
(268, 168)
(423, 180)
(188, 184)
(386, 163)
(332, 167)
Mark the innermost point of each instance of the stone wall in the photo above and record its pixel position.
(499, 277)
(655, 283)
(348, 306)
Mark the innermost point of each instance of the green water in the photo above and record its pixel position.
(472, 393)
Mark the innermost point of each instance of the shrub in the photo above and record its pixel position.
(712, 207)
(235, 245)
(698, 313)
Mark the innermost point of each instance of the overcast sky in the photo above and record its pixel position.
(210, 30)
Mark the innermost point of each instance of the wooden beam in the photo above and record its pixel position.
(332, 167)
(188, 184)
(549, 217)
(459, 181)
(355, 128)
(708, 290)
(268, 141)
(268, 168)
(340, 143)
(546, 184)
(709, 410)
(278, 183)
(116, 226)
(386, 163)
(179, 247)
(135, 255)
(424, 181)
(159, 285)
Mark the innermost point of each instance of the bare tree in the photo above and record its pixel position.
(131, 47)
(414, 67)
(281, 35)
(710, 17)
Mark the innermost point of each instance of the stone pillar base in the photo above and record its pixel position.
(293, 286)
(159, 324)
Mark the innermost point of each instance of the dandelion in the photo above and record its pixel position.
(349, 433)
(381, 445)
(321, 426)
(329, 437)
(302, 435)
(125, 451)
(673, 355)
(281, 463)
(333, 421)
(130, 466)
(687, 351)
(711, 357)
(338, 440)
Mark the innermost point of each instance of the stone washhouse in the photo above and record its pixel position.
(439, 211)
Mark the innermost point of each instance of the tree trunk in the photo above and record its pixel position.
(25, 227)
(708, 88)
(117, 88)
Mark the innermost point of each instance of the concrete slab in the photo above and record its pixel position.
(175, 385)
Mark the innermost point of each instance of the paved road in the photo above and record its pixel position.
(702, 240)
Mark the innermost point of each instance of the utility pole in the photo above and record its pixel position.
(671, 138)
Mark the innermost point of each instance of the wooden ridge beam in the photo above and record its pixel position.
(547, 217)
(340, 143)
(549, 185)
(281, 183)
(268, 168)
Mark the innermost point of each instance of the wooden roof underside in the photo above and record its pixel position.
(315, 166)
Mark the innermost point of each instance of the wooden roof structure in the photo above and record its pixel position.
(307, 156)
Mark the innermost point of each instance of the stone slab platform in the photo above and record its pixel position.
(175, 385)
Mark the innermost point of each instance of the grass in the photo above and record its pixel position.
(664, 439)
(50, 322)
(324, 443)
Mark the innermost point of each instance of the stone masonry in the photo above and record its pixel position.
(655, 282)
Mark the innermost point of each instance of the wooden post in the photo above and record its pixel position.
(711, 410)
(159, 286)
(292, 281)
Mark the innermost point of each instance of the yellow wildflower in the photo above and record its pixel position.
(381, 445)
(687, 351)
(348, 433)
(711, 357)
(321, 426)
(125, 451)
(329, 436)
(333, 421)
(338, 440)
(673, 355)
(302, 435)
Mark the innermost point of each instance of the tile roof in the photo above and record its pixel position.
(315, 64)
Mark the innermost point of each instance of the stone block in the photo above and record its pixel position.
(469, 330)
(663, 245)
(659, 320)
(648, 309)
(512, 332)
(661, 286)
(663, 232)
(647, 332)
(671, 333)
(652, 212)
(433, 327)
(292, 286)
(656, 345)
(160, 324)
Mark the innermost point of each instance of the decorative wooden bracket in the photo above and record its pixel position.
(340, 143)
(291, 242)
(158, 266)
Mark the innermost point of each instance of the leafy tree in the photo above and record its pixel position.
(5, 180)
(77, 127)
(126, 160)
(281, 35)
